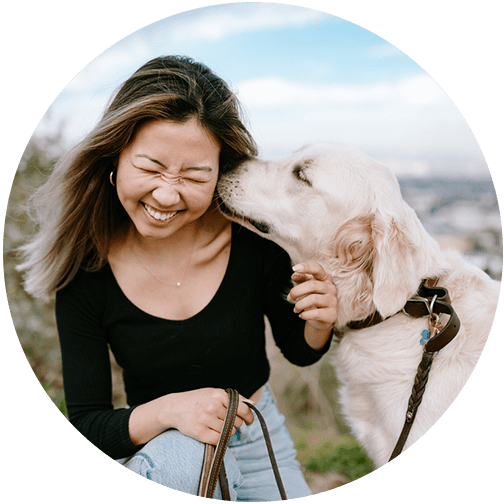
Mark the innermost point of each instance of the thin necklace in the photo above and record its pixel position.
(171, 284)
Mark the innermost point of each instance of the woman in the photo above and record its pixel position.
(142, 262)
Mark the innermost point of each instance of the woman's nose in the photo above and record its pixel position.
(167, 193)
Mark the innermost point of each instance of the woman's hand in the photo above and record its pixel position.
(200, 413)
(314, 297)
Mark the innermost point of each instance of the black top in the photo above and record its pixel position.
(221, 346)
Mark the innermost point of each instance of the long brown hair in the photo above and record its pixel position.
(77, 210)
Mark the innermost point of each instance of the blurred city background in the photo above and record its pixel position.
(302, 76)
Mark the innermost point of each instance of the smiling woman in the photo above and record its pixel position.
(143, 262)
(77, 212)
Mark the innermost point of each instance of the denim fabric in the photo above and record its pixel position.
(174, 460)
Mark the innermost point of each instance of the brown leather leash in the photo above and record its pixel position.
(213, 469)
(430, 301)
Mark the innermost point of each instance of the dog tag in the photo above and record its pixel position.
(425, 337)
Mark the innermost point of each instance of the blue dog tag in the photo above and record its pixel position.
(425, 337)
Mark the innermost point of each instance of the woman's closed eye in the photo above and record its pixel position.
(148, 170)
(199, 175)
(197, 180)
(196, 174)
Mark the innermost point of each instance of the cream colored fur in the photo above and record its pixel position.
(338, 207)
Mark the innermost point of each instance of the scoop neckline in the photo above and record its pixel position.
(234, 230)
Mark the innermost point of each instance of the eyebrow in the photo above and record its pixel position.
(198, 168)
(150, 159)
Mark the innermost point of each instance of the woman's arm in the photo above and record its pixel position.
(86, 368)
(303, 337)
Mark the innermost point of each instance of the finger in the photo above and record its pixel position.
(307, 288)
(216, 410)
(218, 425)
(244, 411)
(314, 269)
(319, 318)
(205, 433)
(211, 421)
(221, 414)
(212, 436)
(216, 398)
(311, 302)
(316, 314)
(216, 403)
(238, 422)
(299, 278)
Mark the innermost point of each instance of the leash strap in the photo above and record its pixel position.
(213, 459)
(271, 454)
(414, 401)
(430, 301)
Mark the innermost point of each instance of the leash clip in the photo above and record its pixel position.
(434, 324)
(431, 306)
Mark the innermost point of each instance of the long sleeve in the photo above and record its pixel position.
(86, 369)
(287, 327)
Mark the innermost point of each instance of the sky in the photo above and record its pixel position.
(303, 76)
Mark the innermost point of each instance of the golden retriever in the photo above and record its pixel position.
(338, 207)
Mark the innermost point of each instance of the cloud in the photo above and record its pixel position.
(411, 123)
(384, 51)
(276, 91)
(194, 27)
(221, 21)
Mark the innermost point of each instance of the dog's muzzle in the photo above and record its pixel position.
(260, 226)
(230, 212)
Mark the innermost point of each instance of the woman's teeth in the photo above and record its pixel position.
(158, 215)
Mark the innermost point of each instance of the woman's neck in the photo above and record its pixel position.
(189, 239)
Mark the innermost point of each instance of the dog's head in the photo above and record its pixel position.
(343, 209)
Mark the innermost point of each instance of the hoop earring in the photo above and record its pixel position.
(111, 177)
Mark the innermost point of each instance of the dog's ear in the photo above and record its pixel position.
(373, 266)
(394, 274)
(353, 255)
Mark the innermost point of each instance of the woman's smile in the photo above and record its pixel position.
(159, 215)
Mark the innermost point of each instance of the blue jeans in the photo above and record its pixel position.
(174, 460)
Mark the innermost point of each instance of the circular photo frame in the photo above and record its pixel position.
(303, 76)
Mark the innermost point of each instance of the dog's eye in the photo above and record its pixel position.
(299, 173)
